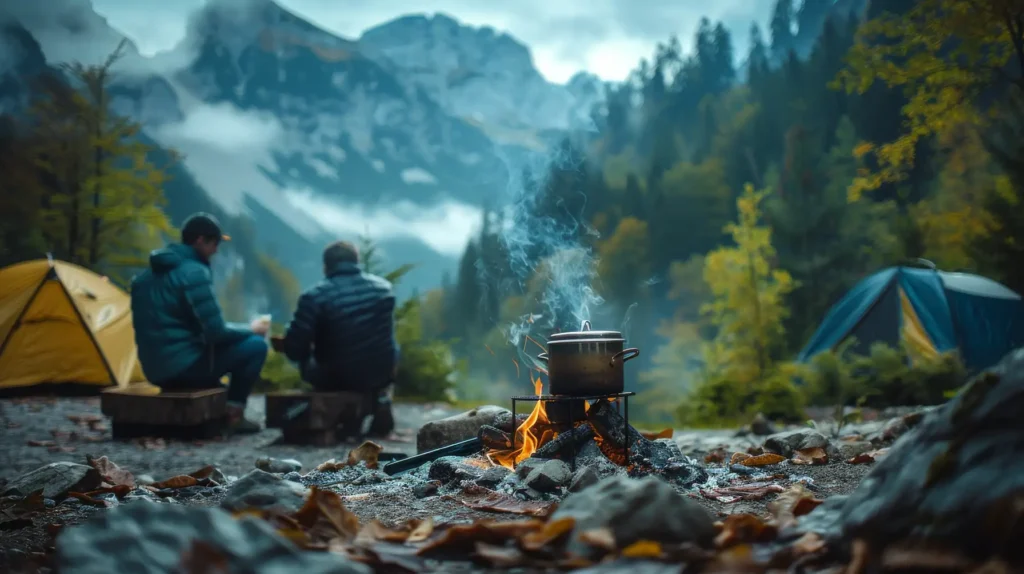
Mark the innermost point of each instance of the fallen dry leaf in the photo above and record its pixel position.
(46, 443)
(744, 529)
(809, 543)
(118, 490)
(374, 531)
(794, 502)
(738, 457)
(479, 498)
(715, 456)
(180, 481)
(461, 539)
(552, 532)
(331, 465)
(814, 455)
(752, 491)
(110, 472)
(368, 452)
(763, 460)
(204, 472)
(601, 538)
(642, 549)
(879, 454)
(325, 517)
(862, 458)
(422, 530)
(667, 433)
(499, 556)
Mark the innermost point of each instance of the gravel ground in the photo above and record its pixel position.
(32, 421)
(51, 422)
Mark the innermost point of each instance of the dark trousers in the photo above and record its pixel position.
(241, 362)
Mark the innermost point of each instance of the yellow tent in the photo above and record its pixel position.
(61, 323)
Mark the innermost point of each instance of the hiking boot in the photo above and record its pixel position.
(238, 424)
(243, 426)
(383, 419)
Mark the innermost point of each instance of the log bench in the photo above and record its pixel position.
(146, 411)
(316, 419)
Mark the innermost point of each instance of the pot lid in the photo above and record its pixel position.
(584, 333)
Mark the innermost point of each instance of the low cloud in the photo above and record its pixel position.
(445, 227)
(225, 127)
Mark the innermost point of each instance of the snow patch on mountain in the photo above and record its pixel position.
(477, 73)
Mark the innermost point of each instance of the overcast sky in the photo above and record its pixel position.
(605, 37)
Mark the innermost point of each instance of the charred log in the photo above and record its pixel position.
(503, 421)
(613, 435)
(565, 444)
(494, 439)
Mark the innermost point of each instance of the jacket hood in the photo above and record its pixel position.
(170, 257)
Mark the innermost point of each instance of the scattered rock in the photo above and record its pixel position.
(263, 490)
(278, 466)
(850, 449)
(174, 538)
(524, 468)
(424, 490)
(436, 434)
(493, 476)
(955, 480)
(584, 477)
(784, 443)
(144, 480)
(293, 476)
(761, 426)
(549, 476)
(634, 510)
(55, 480)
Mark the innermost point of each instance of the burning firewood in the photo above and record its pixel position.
(612, 435)
(503, 421)
(494, 439)
(561, 446)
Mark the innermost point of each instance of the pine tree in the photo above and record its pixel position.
(781, 26)
(748, 305)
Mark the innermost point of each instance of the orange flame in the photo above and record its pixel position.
(534, 432)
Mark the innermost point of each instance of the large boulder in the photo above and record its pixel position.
(634, 510)
(436, 434)
(55, 480)
(955, 480)
(154, 538)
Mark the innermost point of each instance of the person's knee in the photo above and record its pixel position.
(255, 348)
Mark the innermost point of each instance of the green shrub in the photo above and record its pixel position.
(279, 374)
(885, 377)
(721, 402)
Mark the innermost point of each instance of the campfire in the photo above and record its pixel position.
(585, 413)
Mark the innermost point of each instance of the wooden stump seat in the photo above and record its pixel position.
(146, 411)
(314, 418)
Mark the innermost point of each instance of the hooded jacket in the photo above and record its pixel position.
(175, 313)
(345, 323)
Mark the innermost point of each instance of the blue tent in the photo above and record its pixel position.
(930, 311)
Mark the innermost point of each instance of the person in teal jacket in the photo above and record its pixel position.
(183, 340)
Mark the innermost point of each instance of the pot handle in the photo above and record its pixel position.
(543, 357)
(625, 355)
(585, 326)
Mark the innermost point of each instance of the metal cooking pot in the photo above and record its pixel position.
(586, 362)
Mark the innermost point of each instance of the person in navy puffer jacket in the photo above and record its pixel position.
(183, 341)
(343, 332)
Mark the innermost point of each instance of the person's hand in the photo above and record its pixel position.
(260, 326)
(277, 343)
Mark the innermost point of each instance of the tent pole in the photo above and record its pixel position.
(17, 322)
(95, 343)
